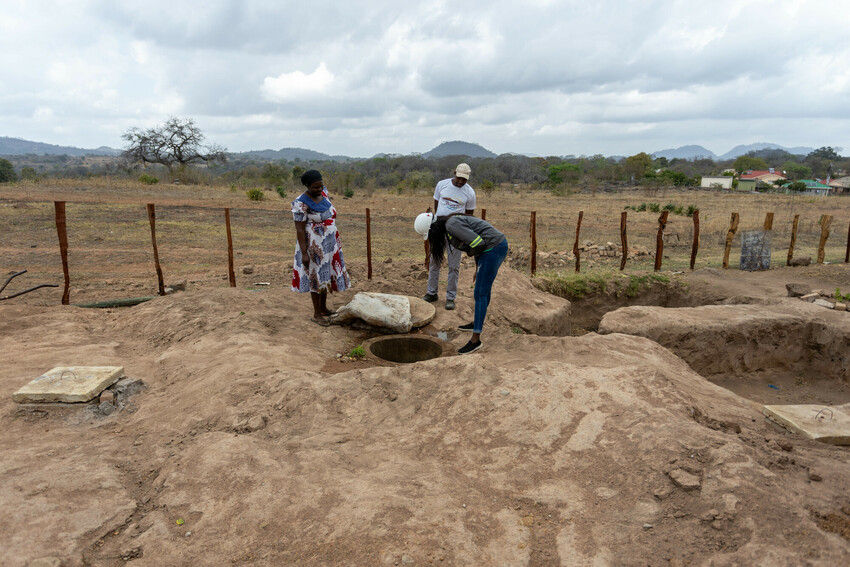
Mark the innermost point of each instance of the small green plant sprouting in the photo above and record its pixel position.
(517, 330)
(654, 207)
(241, 312)
(148, 179)
(641, 208)
(357, 352)
(255, 194)
(844, 298)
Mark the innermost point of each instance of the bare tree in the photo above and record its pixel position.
(178, 142)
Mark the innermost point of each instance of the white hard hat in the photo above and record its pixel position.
(422, 224)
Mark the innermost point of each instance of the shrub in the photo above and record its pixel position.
(7, 171)
(348, 193)
(281, 191)
(487, 186)
(357, 352)
(691, 210)
(641, 208)
(255, 194)
(148, 179)
(559, 190)
(654, 208)
(669, 207)
(29, 174)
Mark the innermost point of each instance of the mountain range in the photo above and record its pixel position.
(17, 146)
(695, 152)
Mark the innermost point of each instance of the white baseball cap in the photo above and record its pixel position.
(463, 170)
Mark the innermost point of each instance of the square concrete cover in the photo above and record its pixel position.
(821, 423)
(69, 384)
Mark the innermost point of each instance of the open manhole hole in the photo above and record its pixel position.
(404, 349)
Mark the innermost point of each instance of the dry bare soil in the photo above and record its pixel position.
(254, 445)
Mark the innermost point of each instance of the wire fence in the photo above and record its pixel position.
(111, 240)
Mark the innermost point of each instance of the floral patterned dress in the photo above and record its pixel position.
(327, 271)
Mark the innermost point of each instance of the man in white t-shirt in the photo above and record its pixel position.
(450, 196)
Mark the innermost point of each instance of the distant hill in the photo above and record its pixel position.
(458, 148)
(691, 152)
(741, 150)
(19, 147)
(685, 152)
(292, 154)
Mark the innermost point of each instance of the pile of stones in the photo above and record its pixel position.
(816, 296)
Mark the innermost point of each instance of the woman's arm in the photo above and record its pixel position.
(301, 235)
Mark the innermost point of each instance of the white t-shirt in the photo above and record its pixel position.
(451, 199)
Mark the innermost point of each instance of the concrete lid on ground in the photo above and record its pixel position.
(69, 384)
(821, 423)
(421, 312)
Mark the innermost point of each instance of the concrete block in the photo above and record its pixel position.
(810, 297)
(69, 384)
(841, 306)
(824, 303)
(821, 423)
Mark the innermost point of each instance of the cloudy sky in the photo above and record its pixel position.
(359, 77)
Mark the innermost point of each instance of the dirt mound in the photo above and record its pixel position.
(537, 451)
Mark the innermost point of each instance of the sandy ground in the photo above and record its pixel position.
(254, 445)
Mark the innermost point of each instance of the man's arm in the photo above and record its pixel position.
(470, 212)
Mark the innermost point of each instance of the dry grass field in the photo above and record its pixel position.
(109, 234)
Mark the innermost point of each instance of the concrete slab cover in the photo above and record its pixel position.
(69, 384)
(377, 309)
(821, 423)
(421, 312)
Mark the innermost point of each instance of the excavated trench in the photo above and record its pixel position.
(765, 353)
(588, 310)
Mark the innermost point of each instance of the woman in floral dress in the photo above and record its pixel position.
(319, 267)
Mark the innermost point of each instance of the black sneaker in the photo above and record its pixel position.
(469, 327)
(469, 347)
(430, 297)
(450, 304)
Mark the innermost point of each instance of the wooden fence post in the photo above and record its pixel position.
(695, 246)
(825, 221)
(659, 239)
(847, 254)
(61, 228)
(533, 242)
(624, 240)
(230, 273)
(152, 219)
(483, 214)
(793, 240)
(730, 235)
(427, 248)
(369, 245)
(768, 221)
(576, 251)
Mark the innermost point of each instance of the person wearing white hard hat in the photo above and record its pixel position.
(478, 238)
(451, 196)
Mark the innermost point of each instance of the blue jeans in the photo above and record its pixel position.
(488, 267)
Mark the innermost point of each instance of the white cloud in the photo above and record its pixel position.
(297, 85)
(368, 76)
